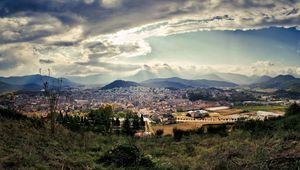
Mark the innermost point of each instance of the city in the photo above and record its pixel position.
(150, 84)
(160, 106)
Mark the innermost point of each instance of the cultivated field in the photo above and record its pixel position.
(227, 112)
(270, 108)
(168, 129)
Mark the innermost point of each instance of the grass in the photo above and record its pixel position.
(23, 145)
(229, 111)
(252, 108)
(168, 129)
(265, 90)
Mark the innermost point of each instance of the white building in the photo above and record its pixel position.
(263, 115)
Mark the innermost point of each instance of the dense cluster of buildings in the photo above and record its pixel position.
(157, 104)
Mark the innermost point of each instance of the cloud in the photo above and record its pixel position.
(80, 34)
(111, 3)
(28, 28)
(264, 64)
(111, 66)
(88, 1)
(46, 61)
(15, 55)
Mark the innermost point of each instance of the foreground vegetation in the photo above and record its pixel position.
(27, 143)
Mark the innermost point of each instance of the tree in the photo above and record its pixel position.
(113, 121)
(293, 109)
(142, 122)
(126, 126)
(117, 122)
(136, 123)
(60, 117)
(101, 119)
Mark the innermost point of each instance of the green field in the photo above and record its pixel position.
(265, 90)
(253, 108)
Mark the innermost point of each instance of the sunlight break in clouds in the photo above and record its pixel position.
(90, 37)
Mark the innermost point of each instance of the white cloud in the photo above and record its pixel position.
(88, 1)
(111, 3)
(264, 64)
(109, 30)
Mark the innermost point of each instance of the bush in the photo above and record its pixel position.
(293, 109)
(11, 114)
(291, 123)
(159, 132)
(255, 127)
(177, 134)
(126, 156)
(215, 129)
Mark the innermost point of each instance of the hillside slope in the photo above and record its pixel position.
(176, 82)
(120, 83)
(283, 82)
(28, 144)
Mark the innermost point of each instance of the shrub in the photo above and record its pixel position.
(292, 123)
(293, 109)
(11, 114)
(159, 132)
(177, 134)
(255, 127)
(217, 129)
(126, 156)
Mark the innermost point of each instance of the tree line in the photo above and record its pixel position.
(103, 120)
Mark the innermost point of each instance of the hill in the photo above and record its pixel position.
(31, 82)
(176, 82)
(242, 79)
(4, 87)
(283, 82)
(210, 77)
(35, 79)
(234, 78)
(120, 83)
(26, 143)
(165, 84)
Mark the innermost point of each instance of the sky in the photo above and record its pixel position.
(96, 41)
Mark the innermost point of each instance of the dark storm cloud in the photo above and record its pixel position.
(97, 18)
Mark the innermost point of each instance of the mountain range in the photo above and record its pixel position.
(281, 82)
(240, 79)
(176, 82)
(235, 78)
(32, 82)
(172, 83)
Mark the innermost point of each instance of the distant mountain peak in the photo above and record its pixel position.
(285, 77)
(120, 83)
(285, 82)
